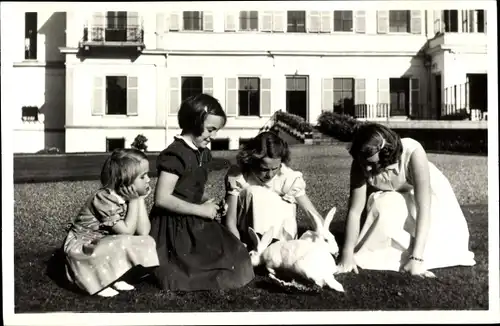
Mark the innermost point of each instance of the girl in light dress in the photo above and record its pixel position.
(263, 192)
(109, 237)
(413, 219)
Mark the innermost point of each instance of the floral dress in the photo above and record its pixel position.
(95, 257)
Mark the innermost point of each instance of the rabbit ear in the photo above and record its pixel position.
(329, 218)
(253, 237)
(266, 240)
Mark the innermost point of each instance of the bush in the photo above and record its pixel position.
(338, 126)
(140, 143)
(49, 150)
(294, 121)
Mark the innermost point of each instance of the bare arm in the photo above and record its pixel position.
(314, 216)
(419, 166)
(164, 197)
(357, 202)
(231, 215)
(129, 224)
(143, 223)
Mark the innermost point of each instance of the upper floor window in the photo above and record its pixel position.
(115, 95)
(192, 20)
(249, 96)
(342, 21)
(450, 21)
(191, 86)
(249, 20)
(399, 21)
(30, 35)
(296, 21)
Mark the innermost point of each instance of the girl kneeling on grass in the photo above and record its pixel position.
(413, 219)
(263, 192)
(196, 252)
(109, 237)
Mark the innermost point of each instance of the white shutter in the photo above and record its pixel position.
(415, 96)
(175, 21)
(231, 97)
(383, 21)
(326, 22)
(208, 21)
(208, 85)
(383, 97)
(96, 30)
(279, 21)
(133, 21)
(265, 98)
(438, 21)
(313, 24)
(327, 94)
(174, 95)
(266, 21)
(132, 95)
(360, 21)
(98, 95)
(416, 22)
(360, 107)
(230, 22)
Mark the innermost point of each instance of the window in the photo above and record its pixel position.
(342, 21)
(399, 89)
(399, 21)
(296, 21)
(451, 21)
(480, 21)
(191, 86)
(114, 143)
(297, 95)
(29, 113)
(343, 95)
(193, 20)
(30, 35)
(116, 95)
(116, 26)
(249, 96)
(249, 20)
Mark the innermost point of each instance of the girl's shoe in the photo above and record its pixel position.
(108, 292)
(123, 286)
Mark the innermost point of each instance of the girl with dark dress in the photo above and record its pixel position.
(195, 251)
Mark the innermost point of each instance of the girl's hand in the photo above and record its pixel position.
(416, 268)
(129, 192)
(209, 209)
(347, 264)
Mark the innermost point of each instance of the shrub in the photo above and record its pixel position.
(338, 126)
(140, 143)
(294, 121)
(49, 150)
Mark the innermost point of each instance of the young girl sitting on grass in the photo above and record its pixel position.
(196, 252)
(109, 237)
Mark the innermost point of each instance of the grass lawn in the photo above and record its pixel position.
(43, 209)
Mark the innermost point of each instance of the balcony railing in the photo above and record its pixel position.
(133, 34)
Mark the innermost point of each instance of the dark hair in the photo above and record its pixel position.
(265, 144)
(195, 109)
(367, 140)
(121, 168)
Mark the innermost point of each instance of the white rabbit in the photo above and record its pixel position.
(300, 259)
(322, 234)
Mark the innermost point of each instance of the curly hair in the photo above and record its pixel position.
(121, 168)
(195, 109)
(368, 139)
(265, 144)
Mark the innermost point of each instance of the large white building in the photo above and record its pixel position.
(87, 77)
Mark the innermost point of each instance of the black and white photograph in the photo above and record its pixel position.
(249, 162)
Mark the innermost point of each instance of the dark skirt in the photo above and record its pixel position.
(198, 254)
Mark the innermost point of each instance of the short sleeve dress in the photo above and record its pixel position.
(95, 256)
(385, 238)
(265, 205)
(195, 253)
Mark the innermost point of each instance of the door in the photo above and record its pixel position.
(438, 100)
(297, 95)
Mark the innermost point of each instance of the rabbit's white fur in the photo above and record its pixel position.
(303, 258)
(322, 235)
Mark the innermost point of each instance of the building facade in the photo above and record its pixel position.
(97, 75)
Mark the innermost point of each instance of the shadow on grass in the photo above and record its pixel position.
(56, 271)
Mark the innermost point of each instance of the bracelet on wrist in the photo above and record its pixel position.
(415, 258)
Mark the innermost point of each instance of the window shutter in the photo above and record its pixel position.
(384, 97)
(438, 21)
(98, 95)
(360, 21)
(360, 108)
(230, 22)
(96, 30)
(174, 95)
(208, 85)
(208, 21)
(266, 21)
(231, 96)
(174, 21)
(265, 89)
(314, 21)
(416, 22)
(326, 22)
(279, 21)
(133, 21)
(327, 94)
(382, 21)
(132, 98)
(415, 96)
